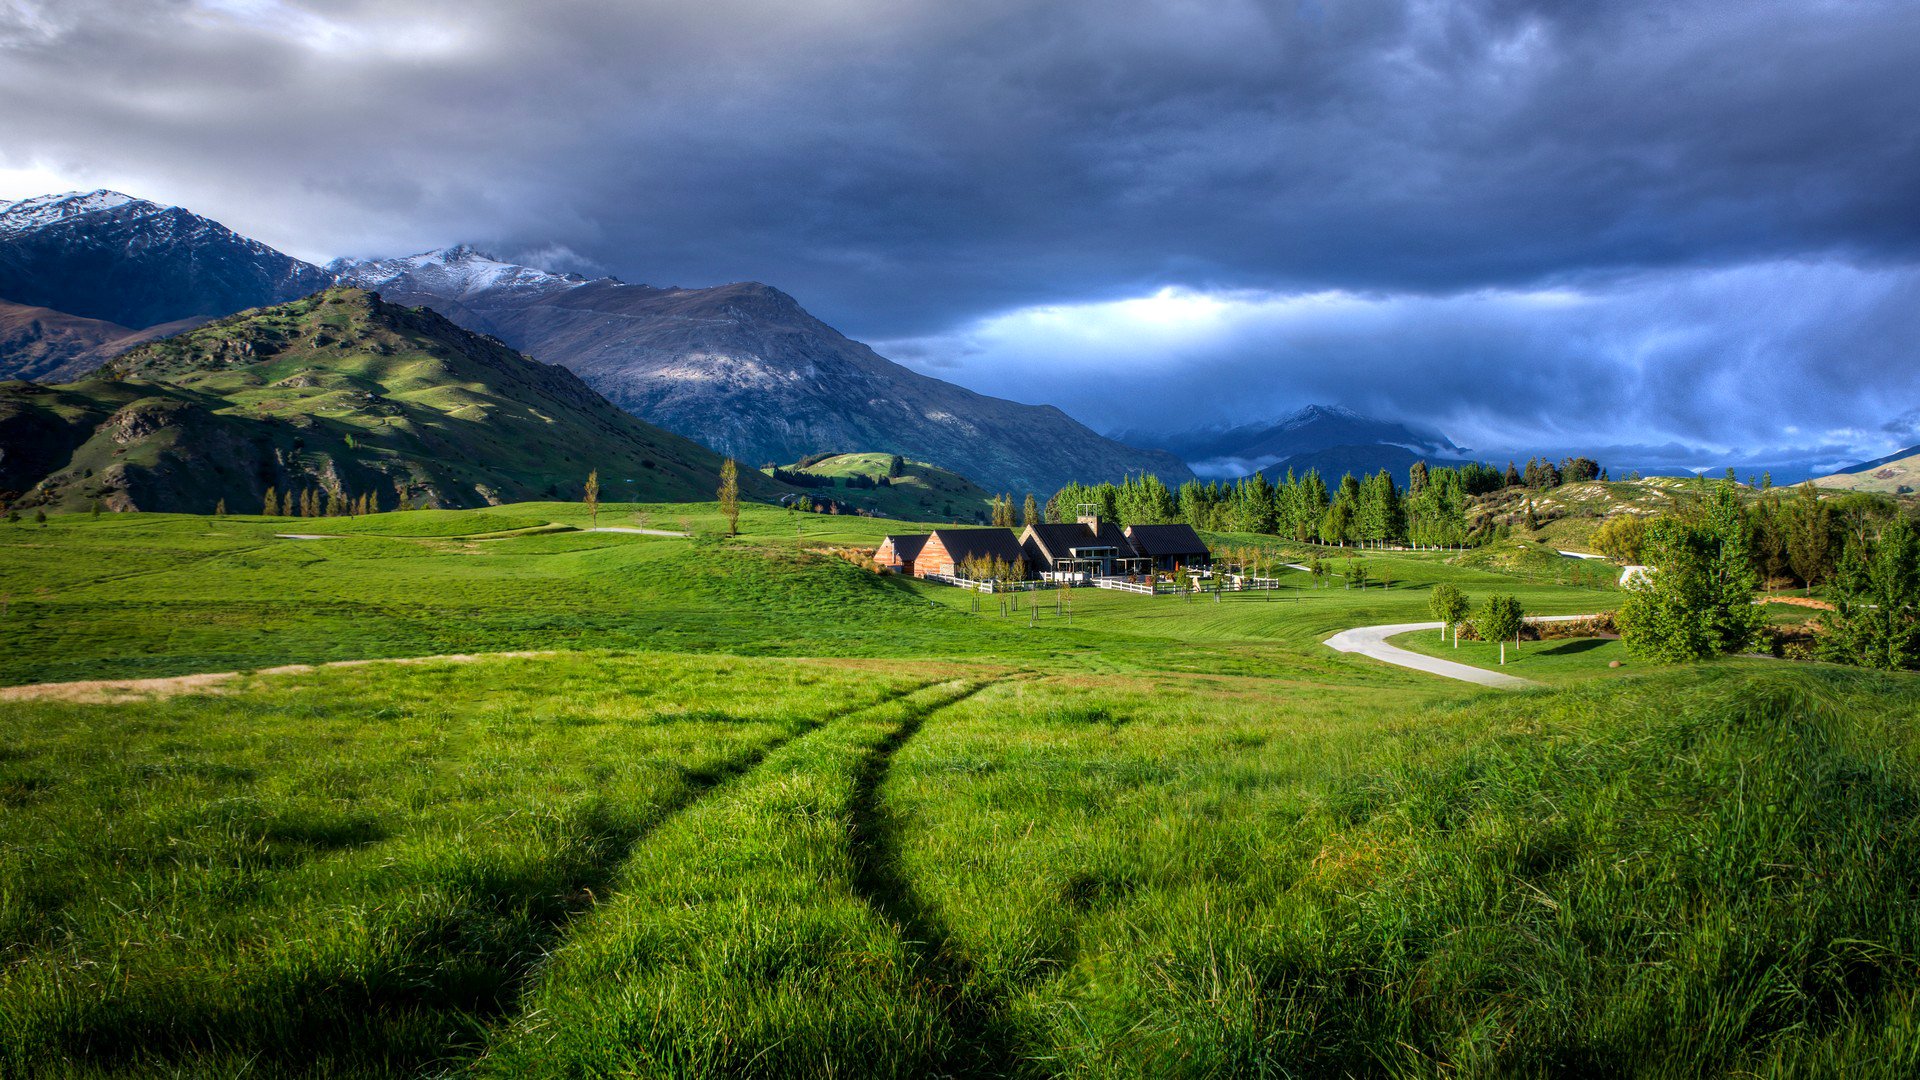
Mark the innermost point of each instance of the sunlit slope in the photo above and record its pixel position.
(346, 395)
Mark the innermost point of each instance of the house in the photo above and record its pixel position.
(897, 553)
(948, 551)
(1088, 547)
(1167, 547)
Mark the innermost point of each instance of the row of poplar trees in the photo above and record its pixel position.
(312, 502)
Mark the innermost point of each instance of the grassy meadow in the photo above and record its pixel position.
(743, 808)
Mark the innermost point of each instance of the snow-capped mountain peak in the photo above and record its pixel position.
(110, 256)
(461, 270)
(43, 210)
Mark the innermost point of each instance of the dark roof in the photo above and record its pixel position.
(1057, 541)
(908, 547)
(1162, 540)
(964, 544)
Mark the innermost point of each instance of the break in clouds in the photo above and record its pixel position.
(1684, 231)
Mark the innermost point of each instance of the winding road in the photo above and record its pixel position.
(1371, 641)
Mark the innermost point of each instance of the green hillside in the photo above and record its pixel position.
(921, 492)
(338, 393)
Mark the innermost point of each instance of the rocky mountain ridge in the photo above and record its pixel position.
(746, 370)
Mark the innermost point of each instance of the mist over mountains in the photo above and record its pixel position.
(1330, 438)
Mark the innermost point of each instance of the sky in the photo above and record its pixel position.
(1681, 233)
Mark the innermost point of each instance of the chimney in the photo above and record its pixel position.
(1089, 516)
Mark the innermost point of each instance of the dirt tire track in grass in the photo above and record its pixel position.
(585, 875)
(602, 871)
(984, 1047)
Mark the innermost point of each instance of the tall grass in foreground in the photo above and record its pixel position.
(351, 873)
(1698, 874)
(752, 937)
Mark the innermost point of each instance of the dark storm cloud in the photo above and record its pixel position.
(909, 169)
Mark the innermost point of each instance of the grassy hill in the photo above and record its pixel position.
(921, 492)
(340, 393)
(1895, 474)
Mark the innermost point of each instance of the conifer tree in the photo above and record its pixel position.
(1030, 513)
(729, 495)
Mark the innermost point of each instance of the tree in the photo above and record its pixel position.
(221, 511)
(1511, 478)
(219, 508)
(1356, 574)
(1578, 469)
(270, 506)
(593, 496)
(1449, 605)
(1500, 619)
(1621, 538)
(1030, 513)
(1698, 601)
(1002, 511)
(729, 495)
(1876, 617)
(1810, 535)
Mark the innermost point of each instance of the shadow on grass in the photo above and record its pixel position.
(1572, 648)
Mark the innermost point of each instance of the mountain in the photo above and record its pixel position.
(1896, 474)
(339, 392)
(52, 346)
(111, 257)
(1332, 439)
(744, 369)
(891, 486)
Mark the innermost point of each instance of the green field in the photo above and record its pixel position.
(1550, 661)
(921, 492)
(747, 809)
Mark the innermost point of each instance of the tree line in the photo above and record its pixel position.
(1430, 512)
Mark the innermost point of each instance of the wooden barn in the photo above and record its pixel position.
(947, 551)
(897, 553)
(1169, 547)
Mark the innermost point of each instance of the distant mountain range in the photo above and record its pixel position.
(343, 395)
(1331, 439)
(741, 368)
(746, 370)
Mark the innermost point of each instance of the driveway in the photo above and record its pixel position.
(1372, 641)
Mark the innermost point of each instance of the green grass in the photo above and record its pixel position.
(129, 595)
(355, 873)
(1552, 661)
(760, 812)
